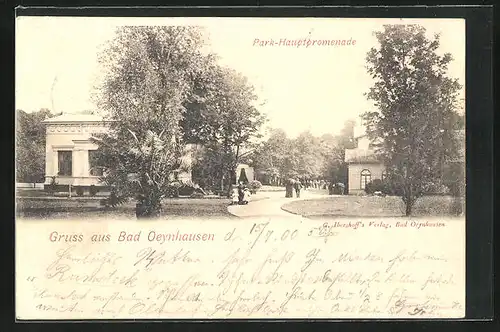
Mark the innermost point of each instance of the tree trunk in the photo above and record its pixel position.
(231, 175)
(409, 204)
(148, 208)
(456, 206)
(408, 208)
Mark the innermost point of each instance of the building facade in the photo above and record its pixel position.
(363, 166)
(70, 155)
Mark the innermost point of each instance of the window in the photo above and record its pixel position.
(94, 169)
(65, 163)
(366, 177)
(384, 175)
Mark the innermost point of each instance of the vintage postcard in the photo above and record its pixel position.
(239, 168)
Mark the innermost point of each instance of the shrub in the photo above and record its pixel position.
(254, 186)
(146, 208)
(393, 187)
(435, 189)
(454, 179)
(339, 188)
(79, 191)
(114, 200)
(173, 189)
(220, 192)
(184, 187)
(375, 185)
(93, 190)
(197, 195)
(186, 190)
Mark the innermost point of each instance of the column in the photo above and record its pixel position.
(55, 163)
(75, 172)
(84, 153)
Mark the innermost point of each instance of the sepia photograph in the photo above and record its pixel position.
(288, 167)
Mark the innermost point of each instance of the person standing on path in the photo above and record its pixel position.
(297, 185)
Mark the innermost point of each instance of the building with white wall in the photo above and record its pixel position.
(362, 164)
(69, 152)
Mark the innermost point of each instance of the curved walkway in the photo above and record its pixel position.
(270, 206)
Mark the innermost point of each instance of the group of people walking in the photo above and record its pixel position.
(316, 184)
(292, 185)
(240, 194)
(296, 185)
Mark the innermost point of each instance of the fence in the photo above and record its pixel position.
(29, 185)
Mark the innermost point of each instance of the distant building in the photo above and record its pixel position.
(363, 166)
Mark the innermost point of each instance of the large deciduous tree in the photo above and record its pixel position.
(30, 146)
(333, 149)
(275, 158)
(414, 99)
(222, 115)
(148, 75)
(308, 155)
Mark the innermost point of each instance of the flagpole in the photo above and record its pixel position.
(52, 94)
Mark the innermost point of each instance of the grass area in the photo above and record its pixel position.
(369, 206)
(90, 209)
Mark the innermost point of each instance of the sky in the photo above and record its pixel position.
(315, 88)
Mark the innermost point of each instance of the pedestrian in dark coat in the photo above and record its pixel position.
(297, 185)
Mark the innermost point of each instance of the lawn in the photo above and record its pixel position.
(78, 208)
(369, 206)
